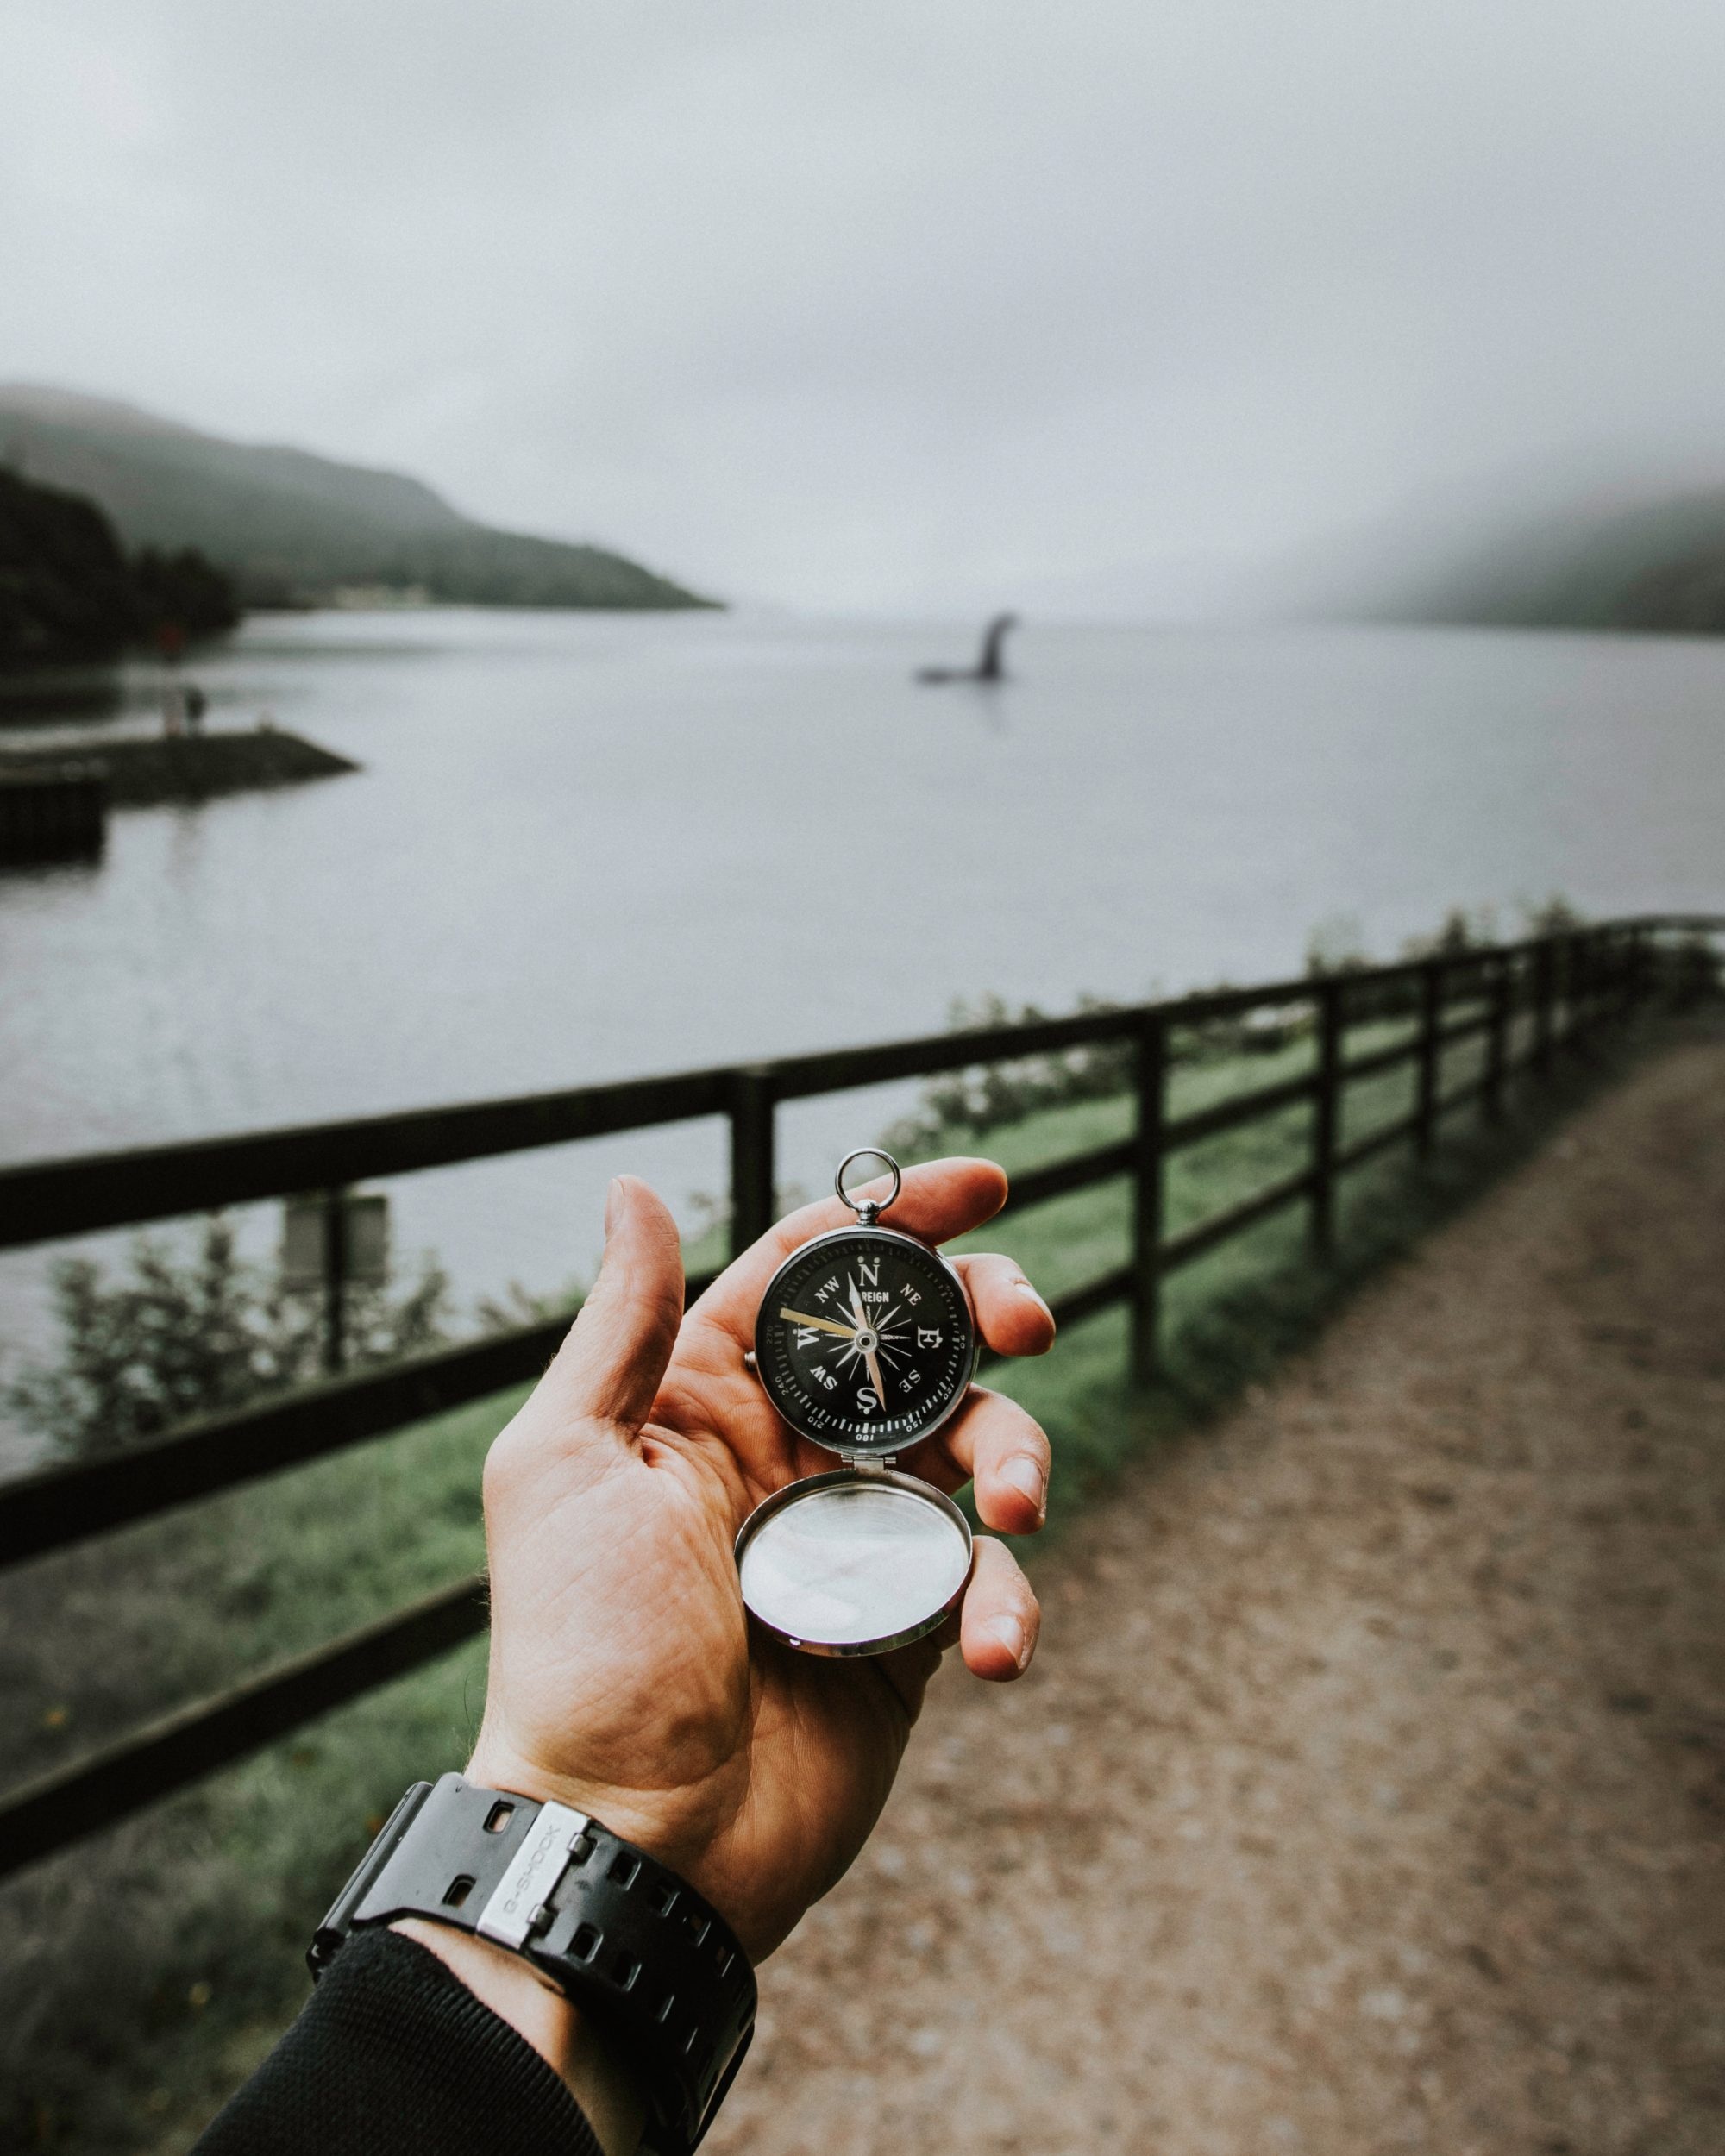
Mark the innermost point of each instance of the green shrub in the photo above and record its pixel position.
(191, 1331)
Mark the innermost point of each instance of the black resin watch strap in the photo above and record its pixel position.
(657, 1967)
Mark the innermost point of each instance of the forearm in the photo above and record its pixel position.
(563, 2037)
(394, 2051)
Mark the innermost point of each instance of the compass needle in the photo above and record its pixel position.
(824, 1324)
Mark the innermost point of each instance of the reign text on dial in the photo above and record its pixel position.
(865, 1340)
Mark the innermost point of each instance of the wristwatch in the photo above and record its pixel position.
(657, 1967)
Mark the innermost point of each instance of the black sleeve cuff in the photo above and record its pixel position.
(393, 2053)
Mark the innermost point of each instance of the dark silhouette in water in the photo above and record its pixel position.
(988, 665)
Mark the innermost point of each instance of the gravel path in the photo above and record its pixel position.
(1368, 1790)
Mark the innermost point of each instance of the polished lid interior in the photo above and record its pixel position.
(852, 1561)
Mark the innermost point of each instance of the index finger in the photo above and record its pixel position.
(938, 1200)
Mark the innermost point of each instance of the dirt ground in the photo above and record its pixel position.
(1368, 1793)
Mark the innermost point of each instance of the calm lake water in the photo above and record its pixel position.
(585, 846)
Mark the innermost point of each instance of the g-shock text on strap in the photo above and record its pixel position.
(658, 1968)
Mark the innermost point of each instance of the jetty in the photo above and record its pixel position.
(54, 800)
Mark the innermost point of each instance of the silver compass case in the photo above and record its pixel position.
(862, 1558)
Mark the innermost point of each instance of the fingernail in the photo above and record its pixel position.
(613, 1198)
(1025, 1476)
(1012, 1636)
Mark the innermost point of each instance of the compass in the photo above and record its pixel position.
(865, 1343)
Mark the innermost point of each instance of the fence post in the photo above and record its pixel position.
(1498, 1036)
(752, 1204)
(1326, 1116)
(1647, 964)
(1426, 1080)
(1585, 990)
(1640, 963)
(1611, 978)
(334, 1280)
(1572, 988)
(1148, 1169)
(1545, 992)
(1610, 972)
(1694, 968)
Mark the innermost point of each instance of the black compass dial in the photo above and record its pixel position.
(865, 1340)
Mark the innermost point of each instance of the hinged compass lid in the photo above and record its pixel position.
(857, 1561)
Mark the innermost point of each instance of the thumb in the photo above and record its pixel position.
(614, 1358)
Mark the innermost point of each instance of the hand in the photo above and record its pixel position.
(625, 1679)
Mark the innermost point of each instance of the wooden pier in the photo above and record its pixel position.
(53, 811)
(53, 801)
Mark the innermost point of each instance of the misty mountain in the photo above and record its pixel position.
(291, 527)
(1605, 555)
(1655, 565)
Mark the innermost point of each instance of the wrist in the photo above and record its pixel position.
(564, 2037)
(652, 1978)
(663, 1823)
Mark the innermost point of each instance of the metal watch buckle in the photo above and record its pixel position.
(520, 1903)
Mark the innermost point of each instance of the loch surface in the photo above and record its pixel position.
(591, 846)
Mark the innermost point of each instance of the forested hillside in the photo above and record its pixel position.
(68, 591)
(292, 528)
(1657, 565)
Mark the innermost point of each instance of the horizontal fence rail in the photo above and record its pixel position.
(1562, 988)
(43, 1201)
(185, 1747)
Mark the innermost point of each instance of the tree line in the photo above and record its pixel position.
(69, 592)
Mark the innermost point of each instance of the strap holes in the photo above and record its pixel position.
(585, 1944)
(696, 1926)
(662, 1898)
(627, 1970)
(623, 1869)
(499, 1817)
(665, 2006)
(458, 1890)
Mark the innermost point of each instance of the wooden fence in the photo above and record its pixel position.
(1530, 1002)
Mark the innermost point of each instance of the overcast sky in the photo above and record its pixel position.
(887, 304)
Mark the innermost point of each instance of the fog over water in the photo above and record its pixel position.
(587, 847)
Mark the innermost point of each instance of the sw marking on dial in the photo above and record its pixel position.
(865, 1341)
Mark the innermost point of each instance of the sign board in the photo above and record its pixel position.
(365, 1227)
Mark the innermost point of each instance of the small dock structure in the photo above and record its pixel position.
(53, 811)
(53, 802)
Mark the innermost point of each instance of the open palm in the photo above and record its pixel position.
(625, 1678)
